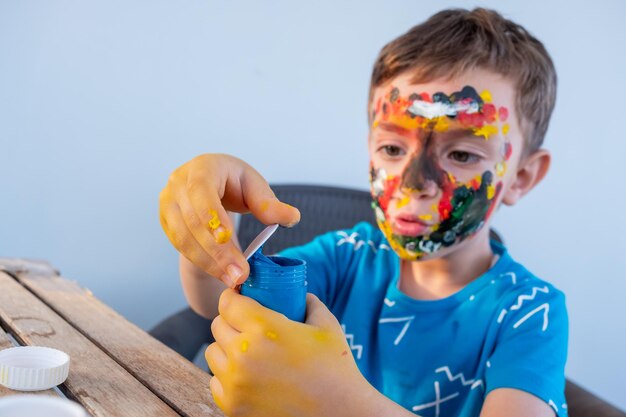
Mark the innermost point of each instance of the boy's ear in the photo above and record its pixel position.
(530, 172)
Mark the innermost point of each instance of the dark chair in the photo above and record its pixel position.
(324, 209)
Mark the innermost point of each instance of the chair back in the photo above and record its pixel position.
(322, 209)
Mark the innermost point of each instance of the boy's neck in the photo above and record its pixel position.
(441, 277)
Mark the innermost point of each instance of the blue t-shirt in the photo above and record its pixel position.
(505, 329)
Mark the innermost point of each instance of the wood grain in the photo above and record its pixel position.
(170, 376)
(96, 381)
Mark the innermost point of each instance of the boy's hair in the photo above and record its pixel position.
(457, 40)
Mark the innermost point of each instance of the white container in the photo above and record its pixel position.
(33, 368)
(25, 405)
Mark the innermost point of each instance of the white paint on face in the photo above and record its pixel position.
(378, 183)
(437, 109)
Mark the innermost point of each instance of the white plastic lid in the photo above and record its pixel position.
(24, 405)
(260, 240)
(33, 368)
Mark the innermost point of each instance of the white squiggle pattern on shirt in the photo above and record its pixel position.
(352, 239)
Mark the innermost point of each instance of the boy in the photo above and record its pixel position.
(428, 316)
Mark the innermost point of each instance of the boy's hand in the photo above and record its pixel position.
(267, 365)
(193, 212)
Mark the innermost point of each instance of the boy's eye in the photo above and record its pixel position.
(463, 157)
(392, 150)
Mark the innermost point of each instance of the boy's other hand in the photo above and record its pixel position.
(267, 365)
(194, 209)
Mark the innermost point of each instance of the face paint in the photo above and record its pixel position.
(463, 207)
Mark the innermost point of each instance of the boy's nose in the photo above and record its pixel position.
(422, 175)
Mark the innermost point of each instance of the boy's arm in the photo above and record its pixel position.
(201, 290)
(511, 402)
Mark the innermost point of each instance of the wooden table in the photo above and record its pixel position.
(116, 369)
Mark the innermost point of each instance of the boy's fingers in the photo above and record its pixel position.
(223, 333)
(217, 262)
(215, 237)
(263, 203)
(216, 359)
(217, 391)
(318, 315)
(245, 314)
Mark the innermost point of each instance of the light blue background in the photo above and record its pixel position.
(100, 101)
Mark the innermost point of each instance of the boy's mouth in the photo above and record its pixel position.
(409, 225)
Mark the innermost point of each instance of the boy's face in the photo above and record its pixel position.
(442, 154)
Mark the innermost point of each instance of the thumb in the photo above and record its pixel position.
(318, 315)
(263, 203)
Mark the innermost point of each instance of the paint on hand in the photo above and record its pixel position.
(214, 221)
(221, 234)
(244, 346)
(271, 335)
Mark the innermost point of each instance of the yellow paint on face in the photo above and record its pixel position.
(486, 131)
(486, 96)
(214, 222)
(405, 122)
(399, 249)
(425, 217)
(500, 169)
(244, 346)
(403, 201)
(442, 124)
(434, 208)
(491, 191)
(271, 335)
(505, 129)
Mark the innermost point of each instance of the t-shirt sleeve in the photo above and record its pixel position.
(321, 263)
(531, 351)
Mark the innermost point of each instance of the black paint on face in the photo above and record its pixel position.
(423, 167)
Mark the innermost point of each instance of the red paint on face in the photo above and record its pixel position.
(489, 112)
(508, 151)
(445, 204)
(503, 114)
(391, 185)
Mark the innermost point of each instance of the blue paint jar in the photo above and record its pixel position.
(277, 283)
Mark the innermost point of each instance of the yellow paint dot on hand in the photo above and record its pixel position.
(214, 222)
(223, 235)
(264, 205)
(244, 346)
(271, 335)
(505, 129)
